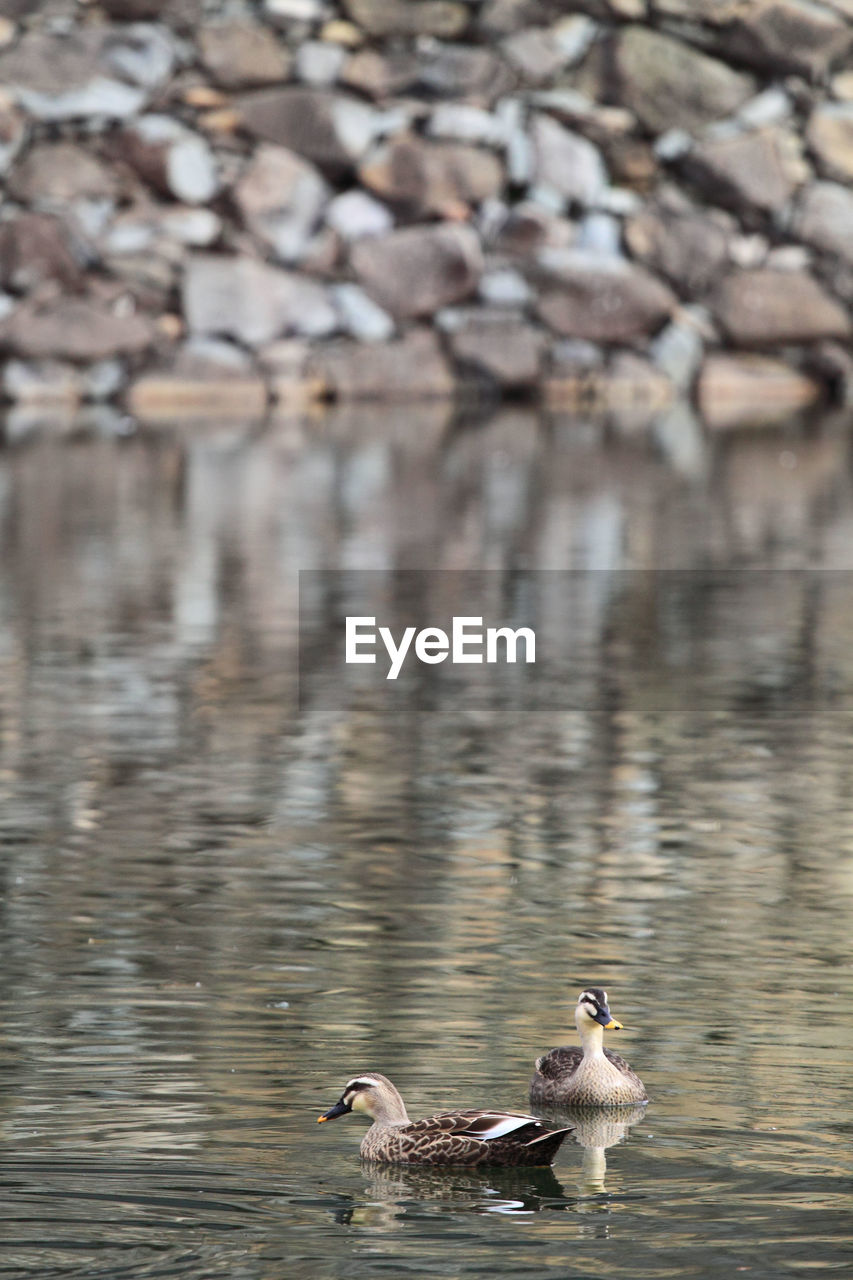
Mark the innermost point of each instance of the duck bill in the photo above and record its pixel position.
(605, 1017)
(339, 1109)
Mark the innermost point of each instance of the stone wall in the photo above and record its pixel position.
(218, 206)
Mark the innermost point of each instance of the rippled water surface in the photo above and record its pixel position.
(225, 891)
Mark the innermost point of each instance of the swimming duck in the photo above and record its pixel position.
(590, 1075)
(450, 1138)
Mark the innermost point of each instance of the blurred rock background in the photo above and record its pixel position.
(637, 207)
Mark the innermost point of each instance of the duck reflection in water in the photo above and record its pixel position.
(595, 1129)
(395, 1190)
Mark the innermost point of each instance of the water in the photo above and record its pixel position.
(223, 893)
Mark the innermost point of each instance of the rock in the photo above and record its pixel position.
(764, 308)
(354, 214)
(35, 248)
(601, 234)
(824, 219)
(688, 247)
(602, 300)
(360, 316)
(13, 131)
(45, 382)
(501, 17)
(469, 73)
(85, 71)
(536, 53)
(58, 173)
(830, 136)
(240, 55)
(431, 177)
(677, 350)
(332, 130)
(415, 271)
(750, 390)
(319, 63)
(156, 228)
(252, 301)
(410, 368)
(505, 287)
(380, 75)
(73, 328)
(460, 122)
(762, 168)
(662, 79)
(206, 380)
(565, 162)
(442, 18)
(787, 35)
(503, 343)
(281, 197)
(171, 158)
(635, 393)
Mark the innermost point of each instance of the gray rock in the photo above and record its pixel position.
(36, 248)
(251, 301)
(762, 168)
(281, 197)
(460, 122)
(332, 130)
(240, 55)
(677, 350)
(443, 18)
(601, 234)
(787, 35)
(566, 162)
(360, 316)
(415, 271)
(13, 131)
(400, 371)
(171, 158)
(42, 382)
(73, 328)
(830, 136)
(431, 177)
(503, 343)
(103, 379)
(536, 53)
(765, 308)
(58, 173)
(471, 73)
(354, 214)
(505, 287)
(319, 62)
(296, 10)
(601, 300)
(664, 80)
(824, 219)
(141, 53)
(57, 77)
(687, 246)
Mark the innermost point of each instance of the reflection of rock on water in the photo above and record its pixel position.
(595, 1129)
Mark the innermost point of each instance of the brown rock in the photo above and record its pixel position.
(240, 55)
(60, 172)
(830, 136)
(332, 130)
(687, 246)
(416, 271)
(750, 390)
(503, 343)
(468, 73)
(443, 18)
(606, 301)
(763, 308)
(13, 131)
(762, 168)
(35, 248)
(166, 396)
(824, 219)
(172, 159)
(281, 197)
(432, 177)
(412, 367)
(380, 75)
(787, 35)
(73, 329)
(666, 82)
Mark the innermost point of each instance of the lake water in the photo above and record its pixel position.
(226, 890)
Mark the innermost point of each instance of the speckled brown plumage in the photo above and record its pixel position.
(472, 1137)
(589, 1075)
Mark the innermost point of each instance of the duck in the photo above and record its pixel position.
(468, 1138)
(591, 1075)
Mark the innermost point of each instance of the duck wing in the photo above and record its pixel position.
(481, 1137)
(561, 1063)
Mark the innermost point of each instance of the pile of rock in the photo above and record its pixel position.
(218, 205)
